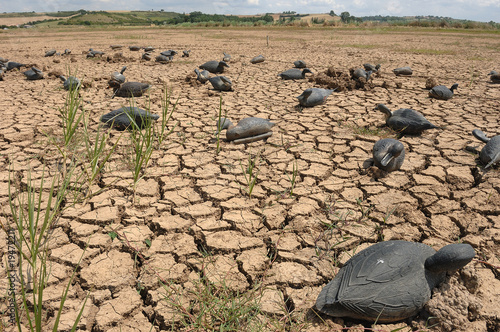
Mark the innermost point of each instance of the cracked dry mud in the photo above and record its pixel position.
(192, 202)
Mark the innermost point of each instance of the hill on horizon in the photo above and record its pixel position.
(137, 17)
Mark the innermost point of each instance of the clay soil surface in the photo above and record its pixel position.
(192, 222)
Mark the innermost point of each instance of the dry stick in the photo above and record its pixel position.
(496, 267)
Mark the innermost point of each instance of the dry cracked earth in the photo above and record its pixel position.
(192, 221)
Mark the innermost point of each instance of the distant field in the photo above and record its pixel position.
(23, 19)
(325, 17)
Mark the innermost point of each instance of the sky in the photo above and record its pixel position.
(476, 10)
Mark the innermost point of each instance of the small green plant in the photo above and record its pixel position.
(213, 305)
(33, 221)
(293, 178)
(221, 120)
(142, 139)
(285, 144)
(162, 132)
(71, 118)
(250, 173)
(95, 153)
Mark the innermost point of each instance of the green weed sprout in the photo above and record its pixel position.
(33, 222)
(250, 174)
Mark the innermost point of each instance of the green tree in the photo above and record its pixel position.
(332, 13)
(345, 17)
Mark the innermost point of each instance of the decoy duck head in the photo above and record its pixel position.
(223, 123)
(393, 152)
(384, 109)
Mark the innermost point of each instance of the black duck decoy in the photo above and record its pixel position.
(388, 154)
(390, 280)
(405, 121)
(247, 130)
(490, 153)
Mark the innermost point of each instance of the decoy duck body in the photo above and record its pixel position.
(490, 153)
(247, 130)
(405, 120)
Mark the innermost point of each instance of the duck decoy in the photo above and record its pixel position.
(403, 71)
(314, 96)
(1, 74)
(14, 65)
(131, 89)
(148, 49)
(490, 153)
(70, 83)
(50, 53)
(361, 73)
(295, 74)
(134, 48)
(125, 117)
(117, 78)
(214, 66)
(372, 68)
(146, 56)
(221, 83)
(67, 52)
(405, 121)
(93, 53)
(185, 53)
(388, 154)
(227, 57)
(33, 74)
(201, 76)
(116, 47)
(169, 53)
(391, 280)
(257, 59)
(164, 58)
(494, 76)
(442, 92)
(300, 64)
(247, 130)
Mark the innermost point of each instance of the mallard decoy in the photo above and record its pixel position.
(490, 153)
(257, 59)
(494, 76)
(131, 89)
(388, 154)
(391, 280)
(33, 74)
(117, 78)
(221, 83)
(442, 92)
(247, 130)
(314, 96)
(201, 76)
(214, 66)
(295, 74)
(403, 71)
(50, 53)
(370, 67)
(405, 120)
(70, 83)
(124, 117)
(300, 64)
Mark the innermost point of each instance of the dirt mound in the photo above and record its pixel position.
(341, 80)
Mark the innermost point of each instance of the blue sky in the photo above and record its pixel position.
(478, 10)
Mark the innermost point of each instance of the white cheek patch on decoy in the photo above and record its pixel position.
(380, 261)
